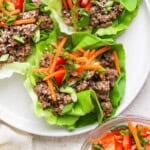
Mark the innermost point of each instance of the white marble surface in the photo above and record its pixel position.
(140, 106)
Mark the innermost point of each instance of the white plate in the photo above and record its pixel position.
(15, 104)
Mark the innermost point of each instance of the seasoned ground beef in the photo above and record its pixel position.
(45, 22)
(45, 98)
(100, 16)
(67, 17)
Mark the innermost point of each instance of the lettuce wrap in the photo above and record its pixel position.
(83, 107)
(17, 33)
(83, 15)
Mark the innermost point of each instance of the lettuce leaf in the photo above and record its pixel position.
(79, 113)
(7, 70)
(119, 25)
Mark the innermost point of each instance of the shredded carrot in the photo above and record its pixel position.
(91, 53)
(51, 58)
(52, 89)
(70, 4)
(16, 11)
(99, 52)
(86, 53)
(36, 70)
(5, 11)
(1, 2)
(58, 51)
(24, 21)
(74, 57)
(55, 73)
(81, 50)
(1, 14)
(65, 4)
(134, 133)
(91, 67)
(116, 61)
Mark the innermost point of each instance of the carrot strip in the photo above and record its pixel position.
(73, 57)
(58, 51)
(86, 53)
(24, 21)
(40, 70)
(5, 11)
(17, 11)
(116, 61)
(70, 4)
(81, 50)
(55, 73)
(65, 4)
(99, 52)
(91, 67)
(52, 89)
(134, 133)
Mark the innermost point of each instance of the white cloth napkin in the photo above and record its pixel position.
(11, 139)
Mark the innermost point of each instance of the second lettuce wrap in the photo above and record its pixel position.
(75, 106)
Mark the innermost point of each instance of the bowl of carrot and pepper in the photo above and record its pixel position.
(121, 133)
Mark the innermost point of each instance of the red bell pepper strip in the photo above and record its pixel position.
(127, 142)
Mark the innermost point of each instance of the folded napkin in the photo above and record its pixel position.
(11, 139)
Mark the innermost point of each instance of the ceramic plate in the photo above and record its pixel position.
(16, 106)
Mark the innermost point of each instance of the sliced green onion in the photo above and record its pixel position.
(9, 6)
(18, 38)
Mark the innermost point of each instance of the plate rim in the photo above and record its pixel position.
(4, 116)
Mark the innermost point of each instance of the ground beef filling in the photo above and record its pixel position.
(19, 51)
(100, 15)
(102, 86)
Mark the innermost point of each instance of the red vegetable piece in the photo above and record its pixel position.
(61, 61)
(147, 147)
(59, 77)
(84, 3)
(118, 146)
(18, 4)
(127, 142)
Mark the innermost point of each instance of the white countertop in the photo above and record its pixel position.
(140, 106)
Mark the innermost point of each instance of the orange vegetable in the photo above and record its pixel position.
(52, 89)
(99, 52)
(116, 61)
(24, 21)
(17, 11)
(58, 52)
(91, 67)
(134, 133)
(5, 11)
(55, 74)
(81, 50)
(65, 4)
(70, 4)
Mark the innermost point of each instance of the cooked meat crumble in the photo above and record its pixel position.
(101, 86)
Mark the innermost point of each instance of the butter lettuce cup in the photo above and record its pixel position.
(105, 18)
(76, 80)
(20, 27)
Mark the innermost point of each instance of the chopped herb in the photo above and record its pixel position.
(11, 20)
(9, 6)
(97, 146)
(36, 36)
(18, 38)
(125, 132)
